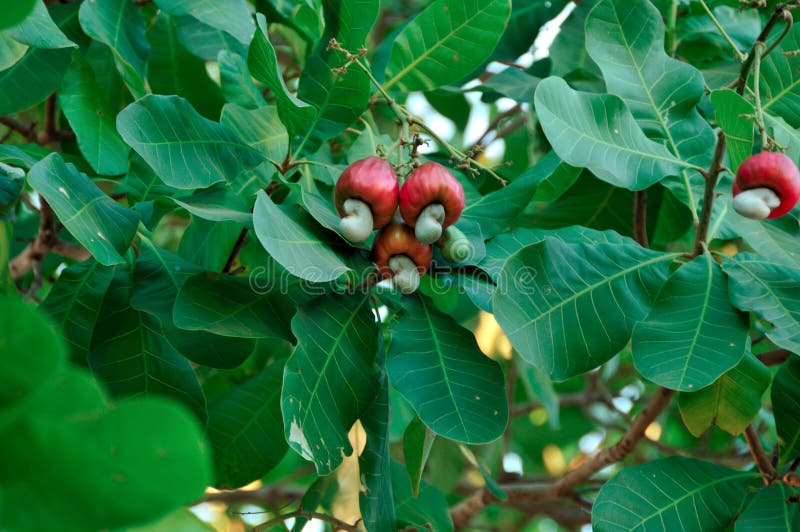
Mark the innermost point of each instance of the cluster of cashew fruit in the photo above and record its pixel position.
(410, 219)
(767, 185)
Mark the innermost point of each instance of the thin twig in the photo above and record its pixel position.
(26, 130)
(776, 357)
(711, 176)
(237, 247)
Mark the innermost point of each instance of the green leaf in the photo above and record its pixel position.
(33, 351)
(771, 509)
(11, 51)
(33, 78)
(131, 356)
(207, 42)
(513, 83)
(527, 19)
(236, 81)
(39, 30)
(120, 25)
(769, 289)
(666, 494)
(209, 244)
(74, 304)
(692, 335)
(599, 132)
(731, 402)
(739, 132)
(245, 429)
(16, 12)
(495, 211)
(417, 442)
(295, 114)
(626, 40)
(330, 379)
(780, 85)
(778, 239)
(458, 35)
(157, 277)
(93, 120)
(374, 462)
(547, 292)
(217, 204)
(786, 405)
(339, 98)
(231, 16)
(186, 150)
(173, 70)
(436, 365)
(103, 226)
(259, 128)
(183, 520)
(231, 306)
(540, 387)
(427, 511)
(91, 466)
(294, 245)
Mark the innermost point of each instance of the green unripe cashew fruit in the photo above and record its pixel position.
(455, 246)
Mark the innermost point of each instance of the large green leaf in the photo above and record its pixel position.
(16, 13)
(245, 429)
(209, 244)
(780, 85)
(231, 306)
(74, 304)
(131, 356)
(260, 128)
(173, 70)
(527, 19)
(39, 30)
(445, 42)
(626, 40)
(729, 108)
(666, 495)
(778, 239)
(236, 82)
(185, 149)
(93, 120)
(33, 78)
(374, 462)
(330, 379)
(231, 16)
(299, 250)
(103, 226)
(427, 511)
(11, 51)
(120, 25)
(569, 308)
(786, 405)
(206, 42)
(731, 402)
(599, 132)
(495, 211)
(769, 289)
(771, 509)
(296, 114)
(339, 97)
(157, 277)
(217, 204)
(436, 365)
(692, 335)
(90, 466)
(33, 351)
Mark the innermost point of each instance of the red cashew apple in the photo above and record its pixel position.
(366, 197)
(767, 185)
(430, 201)
(401, 257)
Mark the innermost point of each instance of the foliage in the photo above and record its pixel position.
(179, 310)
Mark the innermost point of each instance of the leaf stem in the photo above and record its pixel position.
(739, 55)
(758, 50)
(640, 217)
(672, 29)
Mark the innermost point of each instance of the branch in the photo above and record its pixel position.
(712, 176)
(776, 357)
(759, 455)
(26, 130)
(46, 241)
(237, 247)
(270, 497)
(523, 493)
